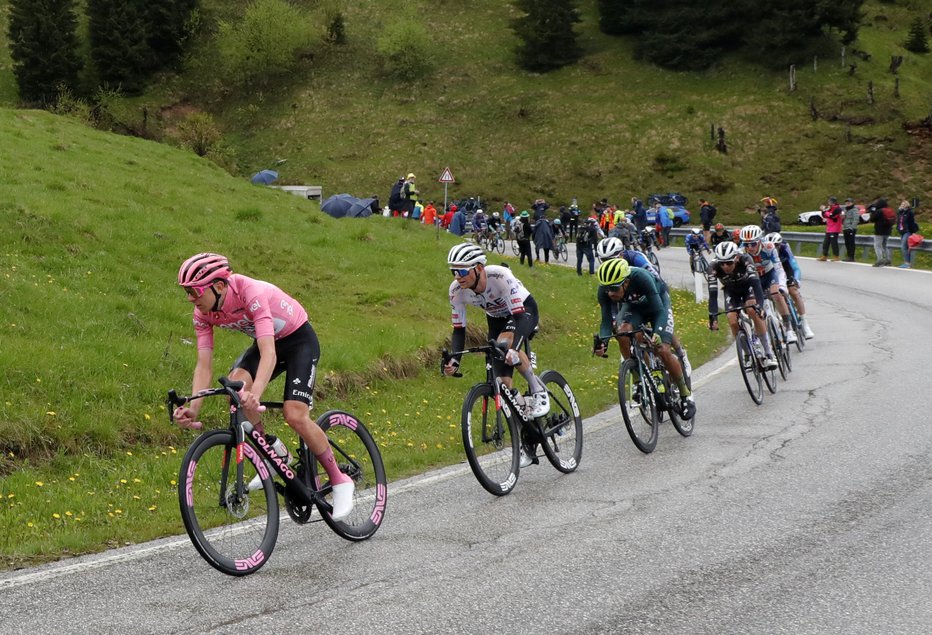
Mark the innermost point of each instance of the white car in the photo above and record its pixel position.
(815, 217)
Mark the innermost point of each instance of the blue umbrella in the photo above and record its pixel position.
(265, 177)
(345, 205)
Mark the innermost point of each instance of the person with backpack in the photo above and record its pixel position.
(906, 225)
(586, 239)
(522, 229)
(395, 200)
(707, 214)
(883, 218)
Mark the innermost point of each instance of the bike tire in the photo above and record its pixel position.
(235, 537)
(561, 428)
(750, 373)
(358, 456)
(796, 322)
(491, 441)
(514, 248)
(683, 426)
(652, 257)
(770, 376)
(563, 253)
(633, 396)
(499, 246)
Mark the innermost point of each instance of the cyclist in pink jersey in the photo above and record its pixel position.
(284, 342)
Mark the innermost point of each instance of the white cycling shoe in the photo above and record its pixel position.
(342, 500)
(807, 332)
(791, 337)
(770, 362)
(541, 404)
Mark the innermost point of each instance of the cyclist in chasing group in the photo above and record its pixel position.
(769, 271)
(742, 288)
(635, 293)
(718, 235)
(793, 276)
(479, 225)
(511, 315)
(284, 342)
(611, 247)
(695, 243)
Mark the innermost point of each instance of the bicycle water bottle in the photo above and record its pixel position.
(658, 379)
(280, 448)
(533, 360)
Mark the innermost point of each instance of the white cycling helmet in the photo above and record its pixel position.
(466, 255)
(750, 233)
(773, 237)
(696, 230)
(609, 248)
(726, 251)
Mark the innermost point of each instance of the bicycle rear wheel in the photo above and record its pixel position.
(638, 407)
(562, 426)
(796, 322)
(491, 441)
(498, 245)
(235, 535)
(749, 370)
(652, 257)
(514, 248)
(358, 457)
(683, 426)
(770, 376)
(562, 252)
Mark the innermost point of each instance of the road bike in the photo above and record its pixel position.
(232, 517)
(645, 388)
(646, 246)
(496, 424)
(751, 356)
(795, 321)
(492, 241)
(698, 263)
(781, 348)
(560, 250)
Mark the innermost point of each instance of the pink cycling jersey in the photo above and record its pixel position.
(504, 295)
(257, 308)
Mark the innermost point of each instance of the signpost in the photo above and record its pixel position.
(446, 178)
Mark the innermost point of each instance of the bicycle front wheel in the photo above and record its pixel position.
(563, 253)
(749, 370)
(234, 534)
(499, 246)
(770, 376)
(652, 257)
(491, 441)
(638, 407)
(359, 458)
(514, 248)
(562, 427)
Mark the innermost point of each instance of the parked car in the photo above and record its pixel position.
(673, 200)
(815, 217)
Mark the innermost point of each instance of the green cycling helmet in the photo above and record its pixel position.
(612, 272)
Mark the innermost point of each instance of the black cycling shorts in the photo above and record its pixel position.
(736, 298)
(296, 355)
(522, 325)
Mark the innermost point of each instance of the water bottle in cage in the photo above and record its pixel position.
(533, 360)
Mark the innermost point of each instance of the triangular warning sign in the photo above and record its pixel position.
(447, 176)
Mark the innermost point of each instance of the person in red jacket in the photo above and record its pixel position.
(833, 215)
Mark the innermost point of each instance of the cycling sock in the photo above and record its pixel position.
(768, 350)
(535, 384)
(329, 462)
(684, 389)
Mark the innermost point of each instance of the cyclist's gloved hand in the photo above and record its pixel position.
(186, 418)
(655, 339)
(512, 358)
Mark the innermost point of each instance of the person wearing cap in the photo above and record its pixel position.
(719, 235)
(410, 194)
(833, 215)
(523, 236)
(849, 227)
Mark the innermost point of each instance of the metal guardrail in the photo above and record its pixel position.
(863, 241)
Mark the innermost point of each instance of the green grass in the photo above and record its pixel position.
(95, 330)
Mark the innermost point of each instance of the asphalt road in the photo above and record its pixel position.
(807, 514)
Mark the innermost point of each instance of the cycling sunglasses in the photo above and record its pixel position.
(461, 273)
(728, 262)
(195, 292)
(751, 243)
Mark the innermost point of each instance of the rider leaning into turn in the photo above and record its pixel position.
(511, 314)
(284, 342)
(770, 272)
(793, 276)
(742, 288)
(638, 300)
(612, 247)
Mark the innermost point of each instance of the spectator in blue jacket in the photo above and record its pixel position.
(458, 224)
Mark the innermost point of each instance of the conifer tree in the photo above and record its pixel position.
(167, 24)
(118, 43)
(621, 17)
(917, 41)
(44, 48)
(546, 37)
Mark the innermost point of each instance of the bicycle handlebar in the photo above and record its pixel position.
(229, 387)
(492, 347)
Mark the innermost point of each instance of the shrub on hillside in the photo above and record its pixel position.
(404, 49)
(267, 41)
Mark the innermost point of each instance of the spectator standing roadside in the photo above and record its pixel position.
(906, 225)
(574, 219)
(883, 218)
(523, 236)
(410, 194)
(770, 221)
(849, 227)
(665, 218)
(430, 214)
(640, 213)
(564, 217)
(543, 238)
(458, 223)
(540, 207)
(706, 216)
(508, 218)
(396, 202)
(586, 239)
(832, 213)
(447, 217)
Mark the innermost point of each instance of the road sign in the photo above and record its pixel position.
(447, 176)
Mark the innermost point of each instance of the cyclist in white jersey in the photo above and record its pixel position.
(511, 313)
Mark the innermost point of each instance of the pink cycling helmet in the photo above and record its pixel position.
(203, 269)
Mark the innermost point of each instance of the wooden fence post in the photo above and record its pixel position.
(792, 77)
(843, 57)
